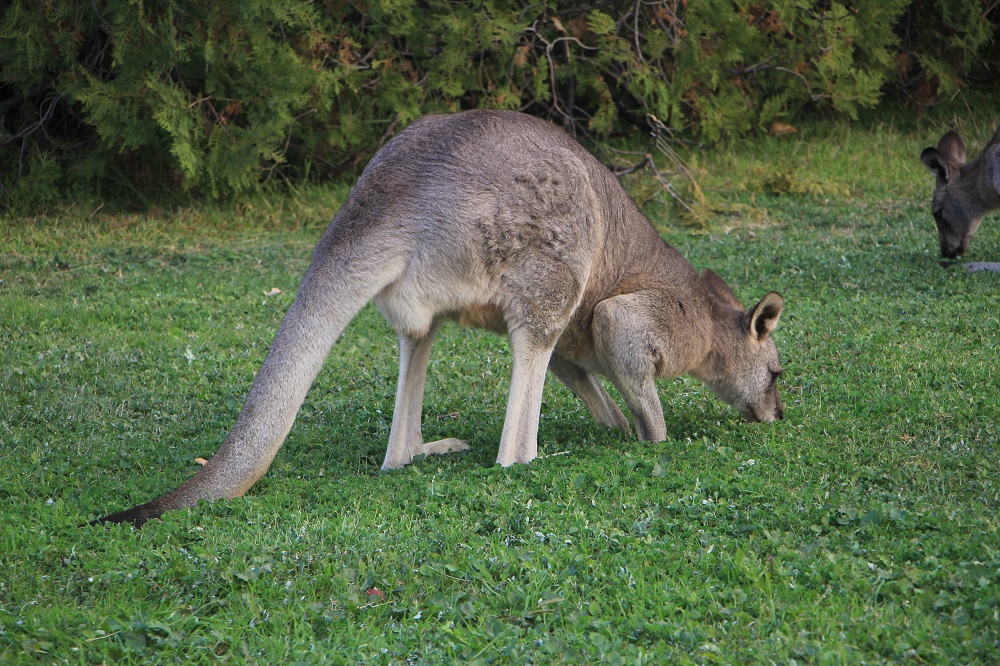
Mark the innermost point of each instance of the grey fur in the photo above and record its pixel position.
(965, 191)
(500, 220)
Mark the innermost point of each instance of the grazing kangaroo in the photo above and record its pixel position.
(965, 191)
(499, 220)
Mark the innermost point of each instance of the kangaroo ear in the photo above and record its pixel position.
(952, 148)
(718, 288)
(762, 319)
(944, 160)
(932, 160)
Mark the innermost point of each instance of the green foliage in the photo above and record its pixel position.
(201, 95)
(130, 99)
(945, 45)
(759, 64)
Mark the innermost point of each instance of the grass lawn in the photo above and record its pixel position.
(861, 529)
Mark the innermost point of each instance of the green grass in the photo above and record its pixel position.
(861, 529)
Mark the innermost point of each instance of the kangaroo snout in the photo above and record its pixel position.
(951, 250)
(753, 416)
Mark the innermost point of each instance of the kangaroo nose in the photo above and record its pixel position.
(949, 251)
(780, 413)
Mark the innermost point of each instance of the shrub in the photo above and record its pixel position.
(946, 45)
(128, 98)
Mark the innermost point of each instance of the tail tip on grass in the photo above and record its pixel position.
(137, 516)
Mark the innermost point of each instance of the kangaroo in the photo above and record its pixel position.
(965, 191)
(499, 220)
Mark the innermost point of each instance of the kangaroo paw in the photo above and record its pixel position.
(446, 446)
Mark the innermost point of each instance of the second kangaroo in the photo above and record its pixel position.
(500, 220)
(965, 191)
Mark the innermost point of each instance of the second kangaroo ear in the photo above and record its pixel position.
(932, 160)
(952, 148)
(763, 317)
(946, 158)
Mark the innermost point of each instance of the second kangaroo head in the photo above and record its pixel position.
(964, 192)
(743, 367)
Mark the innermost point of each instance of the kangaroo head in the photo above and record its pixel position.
(743, 366)
(964, 192)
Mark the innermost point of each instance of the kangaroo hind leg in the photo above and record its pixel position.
(405, 437)
(519, 440)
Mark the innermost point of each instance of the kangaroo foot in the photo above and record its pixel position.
(446, 446)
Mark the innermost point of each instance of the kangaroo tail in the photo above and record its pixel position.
(345, 274)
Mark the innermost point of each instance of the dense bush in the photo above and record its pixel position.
(946, 45)
(123, 98)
